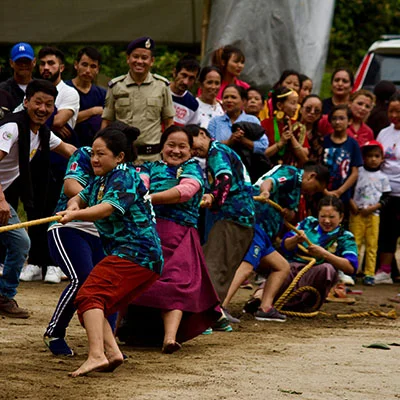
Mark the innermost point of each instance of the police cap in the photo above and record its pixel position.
(144, 42)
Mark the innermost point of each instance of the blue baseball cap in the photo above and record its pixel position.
(21, 50)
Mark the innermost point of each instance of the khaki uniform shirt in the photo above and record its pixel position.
(143, 106)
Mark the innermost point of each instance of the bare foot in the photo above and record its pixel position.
(171, 347)
(90, 365)
(395, 299)
(114, 361)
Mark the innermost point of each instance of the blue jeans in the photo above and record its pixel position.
(17, 244)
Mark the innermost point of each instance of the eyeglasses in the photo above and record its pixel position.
(314, 110)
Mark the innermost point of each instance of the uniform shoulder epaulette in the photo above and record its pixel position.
(116, 80)
(161, 78)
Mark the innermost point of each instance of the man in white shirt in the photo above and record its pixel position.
(51, 65)
(186, 106)
(62, 122)
(21, 135)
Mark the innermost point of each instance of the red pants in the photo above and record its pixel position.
(113, 283)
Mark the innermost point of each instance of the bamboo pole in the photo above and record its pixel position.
(26, 224)
(204, 25)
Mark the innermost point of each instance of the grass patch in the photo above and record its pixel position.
(325, 90)
(21, 212)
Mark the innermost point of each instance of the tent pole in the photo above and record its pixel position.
(204, 25)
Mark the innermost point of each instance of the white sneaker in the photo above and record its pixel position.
(346, 279)
(52, 275)
(62, 275)
(259, 279)
(31, 273)
(383, 277)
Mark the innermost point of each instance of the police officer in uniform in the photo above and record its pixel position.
(141, 99)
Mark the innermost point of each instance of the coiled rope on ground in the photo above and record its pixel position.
(290, 293)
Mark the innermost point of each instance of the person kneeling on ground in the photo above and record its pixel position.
(284, 185)
(333, 247)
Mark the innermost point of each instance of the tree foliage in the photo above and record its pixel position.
(356, 25)
(113, 59)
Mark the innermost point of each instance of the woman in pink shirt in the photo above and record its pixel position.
(361, 104)
(230, 60)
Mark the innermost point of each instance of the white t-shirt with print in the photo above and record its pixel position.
(369, 188)
(208, 111)
(390, 139)
(9, 165)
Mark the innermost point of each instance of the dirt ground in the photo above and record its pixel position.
(319, 358)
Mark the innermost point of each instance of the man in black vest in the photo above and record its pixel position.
(21, 135)
(22, 61)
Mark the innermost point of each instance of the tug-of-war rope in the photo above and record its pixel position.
(286, 296)
(289, 293)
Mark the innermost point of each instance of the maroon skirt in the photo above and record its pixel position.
(184, 285)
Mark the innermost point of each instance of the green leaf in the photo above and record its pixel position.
(382, 346)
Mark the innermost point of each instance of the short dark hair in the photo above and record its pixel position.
(241, 90)
(279, 91)
(254, 89)
(119, 137)
(173, 129)
(51, 51)
(332, 201)
(344, 107)
(303, 78)
(40, 85)
(395, 97)
(194, 130)
(366, 149)
(91, 52)
(284, 75)
(322, 171)
(188, 62)
(205, 70)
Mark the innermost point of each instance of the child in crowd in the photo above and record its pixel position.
(361, 105)
(306, 87)
(342, 155)
(333, 247)
(389, 228)
(370, 195)
(283, 185)
(289, 79)
(254, 103)
(288, 142)
(115, 200)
